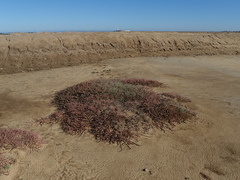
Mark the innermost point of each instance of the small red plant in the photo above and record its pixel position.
(5, 162)
(17, 138)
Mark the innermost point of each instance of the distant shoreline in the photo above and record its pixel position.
(7, 33)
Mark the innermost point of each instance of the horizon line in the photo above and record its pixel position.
(118, 30)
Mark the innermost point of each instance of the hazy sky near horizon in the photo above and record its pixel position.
(109, 15)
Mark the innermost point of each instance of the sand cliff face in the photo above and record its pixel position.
(36, 51)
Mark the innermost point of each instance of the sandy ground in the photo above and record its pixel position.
(207, 148)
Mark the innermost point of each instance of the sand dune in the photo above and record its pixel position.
(36, 51)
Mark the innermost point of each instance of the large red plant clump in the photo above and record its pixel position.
(116, 111)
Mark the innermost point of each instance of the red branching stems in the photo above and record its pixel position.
(5, 162)
(17, 138)
(143, 82)
(116, 111)
(176, 96)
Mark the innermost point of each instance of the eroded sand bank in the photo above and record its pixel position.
(36, 51)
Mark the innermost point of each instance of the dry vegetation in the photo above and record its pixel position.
(15, 139)
(5, 163)
(117, 111)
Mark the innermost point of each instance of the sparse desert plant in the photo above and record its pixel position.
(116, 111)
(5, 163)
(176, 96)
(17, 138)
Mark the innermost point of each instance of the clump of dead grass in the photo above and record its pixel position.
(116, 111)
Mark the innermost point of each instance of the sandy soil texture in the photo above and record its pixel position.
(36, 51)
(207, 148)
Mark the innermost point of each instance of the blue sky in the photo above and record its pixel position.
(109, 15)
